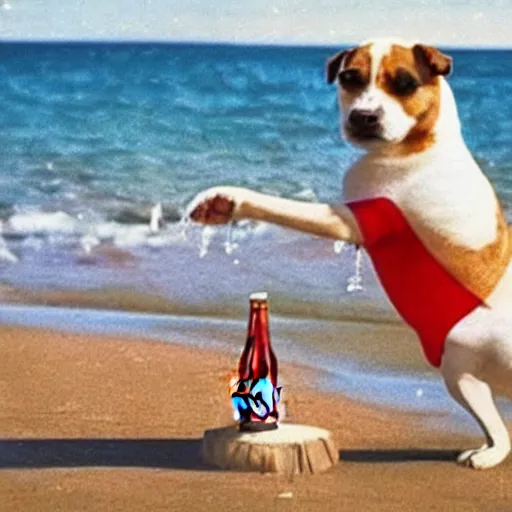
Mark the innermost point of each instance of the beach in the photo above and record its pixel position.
(118, 330)
(104, 423)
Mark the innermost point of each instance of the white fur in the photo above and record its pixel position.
(379, 48)
(396, 123)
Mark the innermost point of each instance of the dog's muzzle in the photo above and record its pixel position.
(365, 123)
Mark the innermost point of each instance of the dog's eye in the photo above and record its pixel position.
(351, 79)
(404, 83)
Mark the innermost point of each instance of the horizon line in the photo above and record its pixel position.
(203, 42)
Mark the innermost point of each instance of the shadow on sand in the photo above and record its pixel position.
(67, 453)
(402, 455)
(184, 454)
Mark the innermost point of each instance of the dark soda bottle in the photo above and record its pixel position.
(256, 396)
(244, 365)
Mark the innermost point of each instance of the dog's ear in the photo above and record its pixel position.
(436, 62)
(333, 65)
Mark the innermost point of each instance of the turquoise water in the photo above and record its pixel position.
(94, 135)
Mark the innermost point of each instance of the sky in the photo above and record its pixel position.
(443, 22)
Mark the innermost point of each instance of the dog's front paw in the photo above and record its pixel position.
(484, 457)
(215, 206)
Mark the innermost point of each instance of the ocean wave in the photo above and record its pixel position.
(126, 227)
(39, 223)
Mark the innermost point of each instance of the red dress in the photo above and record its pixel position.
(425, 294)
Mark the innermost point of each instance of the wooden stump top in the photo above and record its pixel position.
(290, 449)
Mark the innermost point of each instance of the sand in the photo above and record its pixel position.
(96, 424)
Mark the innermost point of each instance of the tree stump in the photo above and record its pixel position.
(290, 449)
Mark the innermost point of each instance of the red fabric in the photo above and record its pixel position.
(425, 294)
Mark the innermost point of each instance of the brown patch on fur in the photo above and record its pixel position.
(423, 104)
(437, 62)
(478, 270)
(360, 59)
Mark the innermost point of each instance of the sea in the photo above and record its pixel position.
(95, 136)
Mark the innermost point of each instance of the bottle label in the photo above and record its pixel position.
(255, 400)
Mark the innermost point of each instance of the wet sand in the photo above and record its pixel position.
(92, 423)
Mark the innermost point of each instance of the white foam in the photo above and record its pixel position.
(106, 230)
(120, 235)
(131, 236)
(40, 223)
(155, 222)
(86, 230)
(307, 194)
(89, 242)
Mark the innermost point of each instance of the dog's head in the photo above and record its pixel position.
(389, 92)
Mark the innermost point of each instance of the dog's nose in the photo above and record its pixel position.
(365, 121)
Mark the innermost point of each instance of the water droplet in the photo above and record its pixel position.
(206, 239)
(184, 225)
(338, 246)
(229, 246)
(89, 242)
(355, 281)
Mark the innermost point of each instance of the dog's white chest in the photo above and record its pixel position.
(450, 206)
(462, 209)
(450, 198)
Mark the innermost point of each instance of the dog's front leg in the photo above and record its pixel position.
(220, 205)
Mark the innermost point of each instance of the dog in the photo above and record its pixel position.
(430, 220)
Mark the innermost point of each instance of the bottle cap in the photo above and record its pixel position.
(258, 296)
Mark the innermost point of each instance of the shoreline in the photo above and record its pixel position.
(345, 367)
(339, 355)
(117, 298)
(99, 423)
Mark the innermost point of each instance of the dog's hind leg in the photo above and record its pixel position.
(461, 371)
